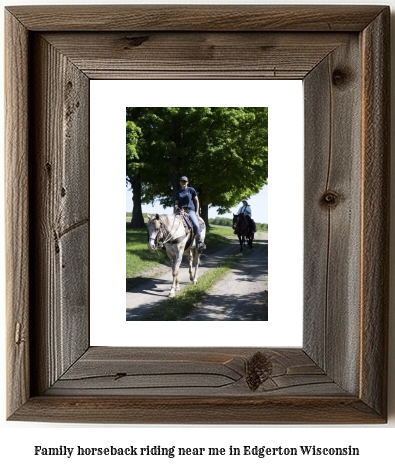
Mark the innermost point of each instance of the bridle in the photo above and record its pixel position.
(240, 221)
(162, 233)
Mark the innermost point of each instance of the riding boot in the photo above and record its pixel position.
(200, 245)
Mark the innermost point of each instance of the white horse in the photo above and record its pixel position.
(176, 240)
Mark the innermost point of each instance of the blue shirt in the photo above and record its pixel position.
(185, 198)
(244, 210)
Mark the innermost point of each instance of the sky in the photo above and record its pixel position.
(258, 203)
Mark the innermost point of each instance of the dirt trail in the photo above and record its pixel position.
(242, 295)
(141, 299)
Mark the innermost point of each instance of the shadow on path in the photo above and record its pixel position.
(234, 307)
(144, 293)
(241, 296)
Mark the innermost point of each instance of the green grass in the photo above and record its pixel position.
(178, 308)
(139, 258)
(216, 237)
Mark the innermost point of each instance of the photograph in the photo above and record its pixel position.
(216, 148)
(202, 174)
(89, 382)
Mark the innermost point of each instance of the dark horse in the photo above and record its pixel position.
(243, 230)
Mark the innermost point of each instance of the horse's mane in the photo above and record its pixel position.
(165, 217)
(161, 217)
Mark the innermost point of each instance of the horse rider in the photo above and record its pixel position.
(246, 210)
(186, 198)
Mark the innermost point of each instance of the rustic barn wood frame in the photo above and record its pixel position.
(340, 374)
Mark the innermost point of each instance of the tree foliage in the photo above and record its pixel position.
(223, 151)
(133, 162)
(134, 166)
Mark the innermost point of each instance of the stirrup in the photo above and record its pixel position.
(201, 247)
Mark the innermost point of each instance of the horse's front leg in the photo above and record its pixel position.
(175, 287)
(196, 261)
(241, 243)
(191, 251)
(250, 242)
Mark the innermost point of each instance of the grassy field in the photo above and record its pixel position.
(139, 258)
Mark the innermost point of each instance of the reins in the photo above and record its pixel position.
(167, 234)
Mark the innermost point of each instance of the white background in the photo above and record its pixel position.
(376, 442)
(285, 102)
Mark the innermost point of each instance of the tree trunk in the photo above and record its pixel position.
(204, 213)
(137, 219)
(175, 178)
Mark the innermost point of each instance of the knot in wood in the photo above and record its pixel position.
(330, 198)
(135, 41)
(259, 369)
(339, 77)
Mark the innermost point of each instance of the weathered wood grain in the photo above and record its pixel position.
(60, 185)
(193, 372)
(344, 254)
(196, 17)
(332, 214)
(317, 151)
(200, 54)
(17, 192)
(375, 211)
(74, 292)
(198, 410)
(339, 376)
(191, 386)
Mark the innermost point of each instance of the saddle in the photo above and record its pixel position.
(187, 220)
(188, 223)
(189, 226)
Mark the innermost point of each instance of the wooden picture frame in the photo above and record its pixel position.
(340, 374)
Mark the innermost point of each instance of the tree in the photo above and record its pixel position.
(133, 167)
(234, 163)
(223, 151)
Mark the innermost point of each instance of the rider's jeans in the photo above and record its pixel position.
(194, 219)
